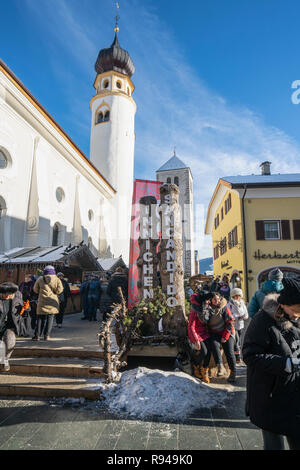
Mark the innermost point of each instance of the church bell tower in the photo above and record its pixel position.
(113, 137)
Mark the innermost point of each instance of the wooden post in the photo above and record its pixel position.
(171, 260)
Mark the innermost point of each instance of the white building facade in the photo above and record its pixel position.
(50, 192)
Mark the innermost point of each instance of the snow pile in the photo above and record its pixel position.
(143, 393)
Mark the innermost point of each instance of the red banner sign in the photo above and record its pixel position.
(141, 188)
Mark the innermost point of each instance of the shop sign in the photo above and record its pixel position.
(258, 255)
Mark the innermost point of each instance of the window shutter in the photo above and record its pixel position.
(260, 230)
(230, 244)
(296, 226)
(235, 238)
(286, 230)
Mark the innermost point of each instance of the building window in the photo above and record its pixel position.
(216, 252)
(223, 246)
(119, 85)
(105, 83)
(60, 195)
(222, 213)
(2, 208)
(228, 204)
(3, 160)
(90, 215)
(217, 221)
(100, 118)
(232, 238)
(55, 235)
(106, 116)
(273, 230)
(176, 180)
(169, 180)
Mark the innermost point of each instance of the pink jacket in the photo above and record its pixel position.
(197, 330)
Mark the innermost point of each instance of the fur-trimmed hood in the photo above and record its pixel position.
(270, 306)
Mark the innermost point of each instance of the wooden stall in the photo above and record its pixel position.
(72, 261)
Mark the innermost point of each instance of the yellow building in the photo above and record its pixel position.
(255, 226)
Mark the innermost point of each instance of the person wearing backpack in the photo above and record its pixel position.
(48, 287)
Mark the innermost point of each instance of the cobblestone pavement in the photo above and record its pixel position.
(71, 424)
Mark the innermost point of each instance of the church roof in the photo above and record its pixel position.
(173, 164)
(115, 58)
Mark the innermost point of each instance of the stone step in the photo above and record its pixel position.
(63, 367)
(49, 387)
(58, 352)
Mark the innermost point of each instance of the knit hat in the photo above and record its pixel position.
(290, 295)
(275, 275)
(8, 288)
(236, 291)
(49, 270)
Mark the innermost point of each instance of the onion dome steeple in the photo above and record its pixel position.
(115, 58)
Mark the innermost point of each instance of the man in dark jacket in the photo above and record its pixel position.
(84, 289)
(11, 304)
(93, 297)
(271, 352)
(63, 299)
(118, 279)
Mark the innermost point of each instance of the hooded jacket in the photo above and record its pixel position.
(273, 393)
(11, 319)
(48, 288)
(267, 287)
(197, 326)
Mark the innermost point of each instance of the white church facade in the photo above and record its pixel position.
(51, 194)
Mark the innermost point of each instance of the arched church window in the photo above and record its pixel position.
(3, 208)
(100, 117)
(169, 180)
(106, 116)
(3, 160)
(105, 84)
(60, 195)
(119, 85)
(176, 180)
(55, 235)
(90, 215)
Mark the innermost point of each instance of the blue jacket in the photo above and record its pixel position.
(256, 302)
(94, 288)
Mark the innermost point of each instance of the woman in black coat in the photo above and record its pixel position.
(271, 352)
(11, 304)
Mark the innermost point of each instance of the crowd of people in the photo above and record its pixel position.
(270, 349)
(29, 310)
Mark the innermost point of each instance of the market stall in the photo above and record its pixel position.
(72, 261)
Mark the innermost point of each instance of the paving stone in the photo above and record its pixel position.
(134, 436)
(110, 435)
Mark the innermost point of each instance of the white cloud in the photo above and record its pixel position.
(175, 106)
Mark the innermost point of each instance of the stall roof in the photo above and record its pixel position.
(110, 263)
(79, 256)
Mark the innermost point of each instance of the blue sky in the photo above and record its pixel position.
(213, 78)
